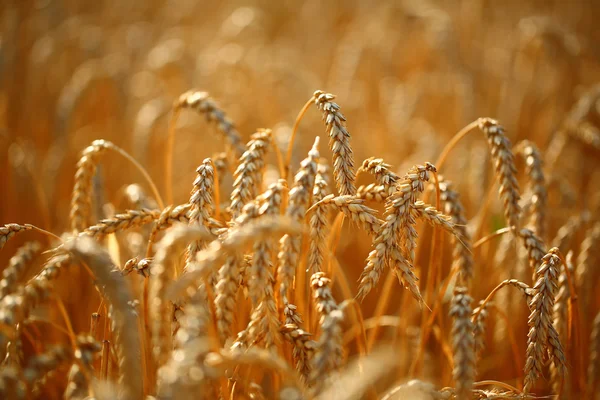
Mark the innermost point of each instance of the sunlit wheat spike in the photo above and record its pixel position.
(339, 141)
(204, 104)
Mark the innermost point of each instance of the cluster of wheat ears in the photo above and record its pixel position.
(404, 261)
(218, 314)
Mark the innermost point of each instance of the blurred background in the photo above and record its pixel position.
(407, 74)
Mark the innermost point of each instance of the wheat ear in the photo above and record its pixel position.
(81, 200)
(593, 372)
(264, 319)
(462, 257)
(168, 251)
(16, 267)
(463, 344)
(121, 222)
(397, 237)
(318, 222)
(202, 206)
(339, 141)
(248, 175)
(202, 103)
(540, 318)
(78, 383)
(10, 230)
(229, 278)
(535, 249)
(537, 185)
(299, 201)
(504, 166)
(385, 178)
(235, 241)
(355, 210)
(328, 355)
(304, 346)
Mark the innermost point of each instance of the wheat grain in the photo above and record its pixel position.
(373, 192)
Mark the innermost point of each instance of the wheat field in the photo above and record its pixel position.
(299, 200)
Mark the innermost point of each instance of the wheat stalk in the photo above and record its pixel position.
(126, 336)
